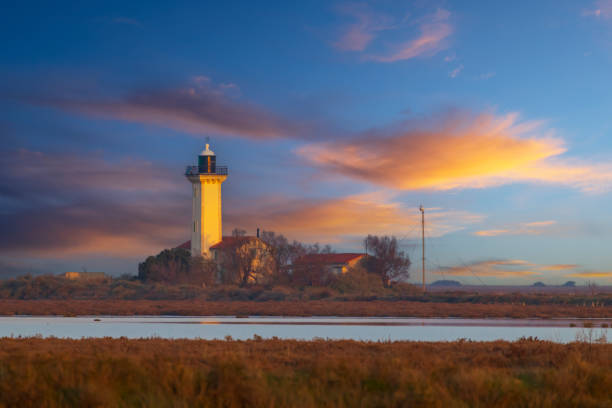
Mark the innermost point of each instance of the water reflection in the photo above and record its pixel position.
(307, 328)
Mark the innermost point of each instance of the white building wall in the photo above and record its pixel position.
(207, 227)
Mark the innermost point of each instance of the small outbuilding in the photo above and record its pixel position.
(85, 275)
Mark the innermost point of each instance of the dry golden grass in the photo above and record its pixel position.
(298, 308)
(274, 373)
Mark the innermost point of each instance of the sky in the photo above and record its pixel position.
(336, 120)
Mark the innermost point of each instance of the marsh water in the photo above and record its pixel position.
(305, 328)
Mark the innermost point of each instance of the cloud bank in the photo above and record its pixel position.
(457, 151)
(199, 108)
(58, 205)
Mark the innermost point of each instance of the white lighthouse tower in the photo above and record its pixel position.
(206, 179)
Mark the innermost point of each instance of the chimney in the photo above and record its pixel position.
(257, 232)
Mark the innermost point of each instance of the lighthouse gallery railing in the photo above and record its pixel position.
(194, 171)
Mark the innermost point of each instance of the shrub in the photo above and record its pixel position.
(357, 280)
(178, 266)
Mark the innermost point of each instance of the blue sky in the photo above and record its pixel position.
(337, 119)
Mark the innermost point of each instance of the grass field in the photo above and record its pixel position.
(273, 373)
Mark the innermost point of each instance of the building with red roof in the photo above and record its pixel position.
(248, 253)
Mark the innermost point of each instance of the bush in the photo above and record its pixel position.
(357, 280)
(178, 266)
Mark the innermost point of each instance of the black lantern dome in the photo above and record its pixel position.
(207, 161)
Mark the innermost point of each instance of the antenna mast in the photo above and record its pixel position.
(423, 242)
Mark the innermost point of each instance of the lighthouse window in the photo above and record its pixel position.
(194, 226)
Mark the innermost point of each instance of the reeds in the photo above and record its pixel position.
(287, 373)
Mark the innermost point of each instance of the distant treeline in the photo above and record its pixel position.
(287, 373)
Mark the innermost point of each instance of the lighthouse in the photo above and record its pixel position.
(206, 179)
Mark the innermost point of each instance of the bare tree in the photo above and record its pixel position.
(387, 261)
(283, 251)
(280, 248)
(285, 254)
(245, 262)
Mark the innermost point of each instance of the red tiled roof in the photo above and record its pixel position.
(327, 259)
(185, 245)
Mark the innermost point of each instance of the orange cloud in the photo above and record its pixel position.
(435, 29)
(559, 267)
(526, 228)
(496, 268)
(592, 274)
(339, 219)
(491, 233)
(458, 151)
(515, 267)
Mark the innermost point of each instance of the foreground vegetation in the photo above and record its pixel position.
(287, 373)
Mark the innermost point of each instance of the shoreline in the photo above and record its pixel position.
(407, 321)
(321, 308)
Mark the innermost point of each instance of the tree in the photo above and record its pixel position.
(246, 260)
(285, 254)
(386, 260)
(280, 248)
(283, 251)
(166, 266)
